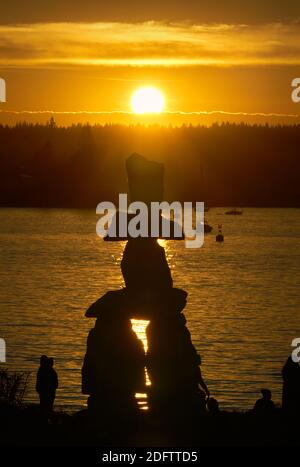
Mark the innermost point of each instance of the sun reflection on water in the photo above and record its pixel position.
(139, 326)
(169, 256)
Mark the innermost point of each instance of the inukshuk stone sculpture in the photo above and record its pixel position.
(113, 369)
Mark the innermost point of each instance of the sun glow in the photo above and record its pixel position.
(147, 100)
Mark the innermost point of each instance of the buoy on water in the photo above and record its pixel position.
(220, 236)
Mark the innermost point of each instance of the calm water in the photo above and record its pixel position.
(243, 306)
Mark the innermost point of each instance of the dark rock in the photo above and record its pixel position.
(168, 229)
(144, 265)
(135, 304)
(113, 369)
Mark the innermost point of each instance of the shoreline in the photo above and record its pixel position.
(25, 426)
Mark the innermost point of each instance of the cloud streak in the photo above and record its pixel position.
(149, 44)
(166, 113)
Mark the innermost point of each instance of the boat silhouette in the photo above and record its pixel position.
(234, 212)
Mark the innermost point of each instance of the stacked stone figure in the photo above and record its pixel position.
(114, 364)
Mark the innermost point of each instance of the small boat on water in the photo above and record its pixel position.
(234, 212)
(207, 228)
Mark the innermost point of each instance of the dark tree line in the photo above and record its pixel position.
(79, 166)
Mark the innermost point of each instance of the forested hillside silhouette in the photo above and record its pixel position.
(81, 165)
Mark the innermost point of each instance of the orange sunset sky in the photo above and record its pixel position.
(212, 61)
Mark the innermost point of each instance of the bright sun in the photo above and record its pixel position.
(147, 100)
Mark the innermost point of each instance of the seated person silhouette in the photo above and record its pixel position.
(213, 406)
(265, 405)
(46, 384)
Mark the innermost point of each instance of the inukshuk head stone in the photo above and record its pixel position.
(113, 369)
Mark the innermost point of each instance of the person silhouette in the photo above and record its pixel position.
(202, 382)
(291, 387)
(213, 406)
(46, 384)
(264, 405)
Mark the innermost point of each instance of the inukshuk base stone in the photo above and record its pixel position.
(113, 369)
